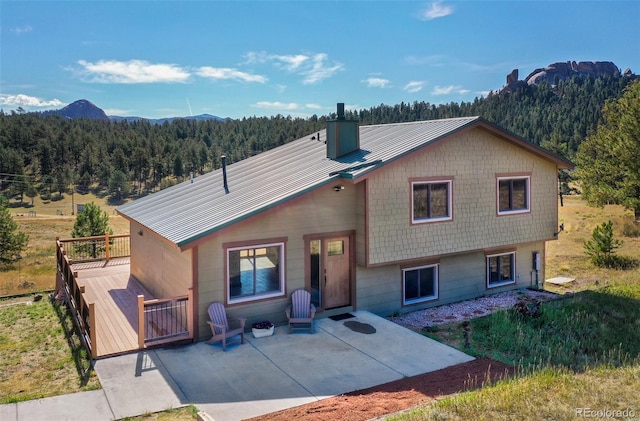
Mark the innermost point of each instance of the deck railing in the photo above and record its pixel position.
(84, 316)
(98, 248)
(165, 320)
(160, 321)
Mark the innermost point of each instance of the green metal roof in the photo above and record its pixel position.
(188, 211)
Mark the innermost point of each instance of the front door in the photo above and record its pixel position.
(336, 272)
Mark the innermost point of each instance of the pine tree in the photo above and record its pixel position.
(609, 161)
(12, 243)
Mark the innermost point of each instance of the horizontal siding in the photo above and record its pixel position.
(162, 268)
(462, 277)
(320, 211)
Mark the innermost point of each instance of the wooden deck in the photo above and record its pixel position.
(114, 293)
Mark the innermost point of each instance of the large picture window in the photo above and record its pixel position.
(420, 284)
(513, 195)
(501, 269)
(430, 201)
(255, 272)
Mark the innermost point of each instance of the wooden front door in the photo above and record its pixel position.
(336, 264)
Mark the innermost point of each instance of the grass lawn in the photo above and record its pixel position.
(39, 354)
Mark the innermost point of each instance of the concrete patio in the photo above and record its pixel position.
(262, 376)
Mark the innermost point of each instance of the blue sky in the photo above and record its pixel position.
(244, 58)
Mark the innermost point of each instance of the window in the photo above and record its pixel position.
(431, 201)
(513, 195)
(255, 272)
(420, 284)
(501, 269)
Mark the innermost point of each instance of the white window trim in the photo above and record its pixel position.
(449, 202)
(488, 274)
(436, 267)
(279, 293)
(528, 187)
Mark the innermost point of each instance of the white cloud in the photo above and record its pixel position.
(414, 86)
(320, 69)
(292, 63)
(228, 73)
(313, 68)
(132, 71)
(22, 100)
(376, 82)
(21, 29)
(446, 90)
(436, 10)
(276, 105)
(313, 106)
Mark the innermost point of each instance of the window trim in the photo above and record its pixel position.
(423, 181)
(436, 288)
(513, 270)
(281, 243)
(500, 178)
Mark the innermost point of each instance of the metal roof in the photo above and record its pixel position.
(188, 211)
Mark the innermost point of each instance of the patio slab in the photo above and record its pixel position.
(270, 374)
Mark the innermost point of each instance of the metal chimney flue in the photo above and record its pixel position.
(340, 111)
(224, 173)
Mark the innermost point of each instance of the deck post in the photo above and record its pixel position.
(93, 331)
(141, 322)
(190, 308)
(106, 245)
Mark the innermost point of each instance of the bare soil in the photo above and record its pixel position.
(398, 395)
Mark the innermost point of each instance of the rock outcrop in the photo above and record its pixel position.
(564, 70)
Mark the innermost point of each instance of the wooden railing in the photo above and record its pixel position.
(160, 321)
(84, 316)
(165, 320)
(98, 248)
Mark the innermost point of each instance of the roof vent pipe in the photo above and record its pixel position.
(224, 173)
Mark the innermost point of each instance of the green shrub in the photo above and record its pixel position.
(601, 248)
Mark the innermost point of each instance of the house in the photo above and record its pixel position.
(387, 218)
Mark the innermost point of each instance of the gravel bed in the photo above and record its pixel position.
(470, 309)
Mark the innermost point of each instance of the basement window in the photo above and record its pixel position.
(419, 284)
(501, 269)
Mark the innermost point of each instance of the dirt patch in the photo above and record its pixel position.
(398, 395)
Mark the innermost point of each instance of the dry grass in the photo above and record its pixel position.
(551, 394)
(36, 271)
(565, 257)
(186, 413)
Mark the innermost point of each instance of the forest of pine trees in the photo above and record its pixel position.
(44, 155)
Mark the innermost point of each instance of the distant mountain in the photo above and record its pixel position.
(83, 108)
(200, 117)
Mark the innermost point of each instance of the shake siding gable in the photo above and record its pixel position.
(474, 159)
